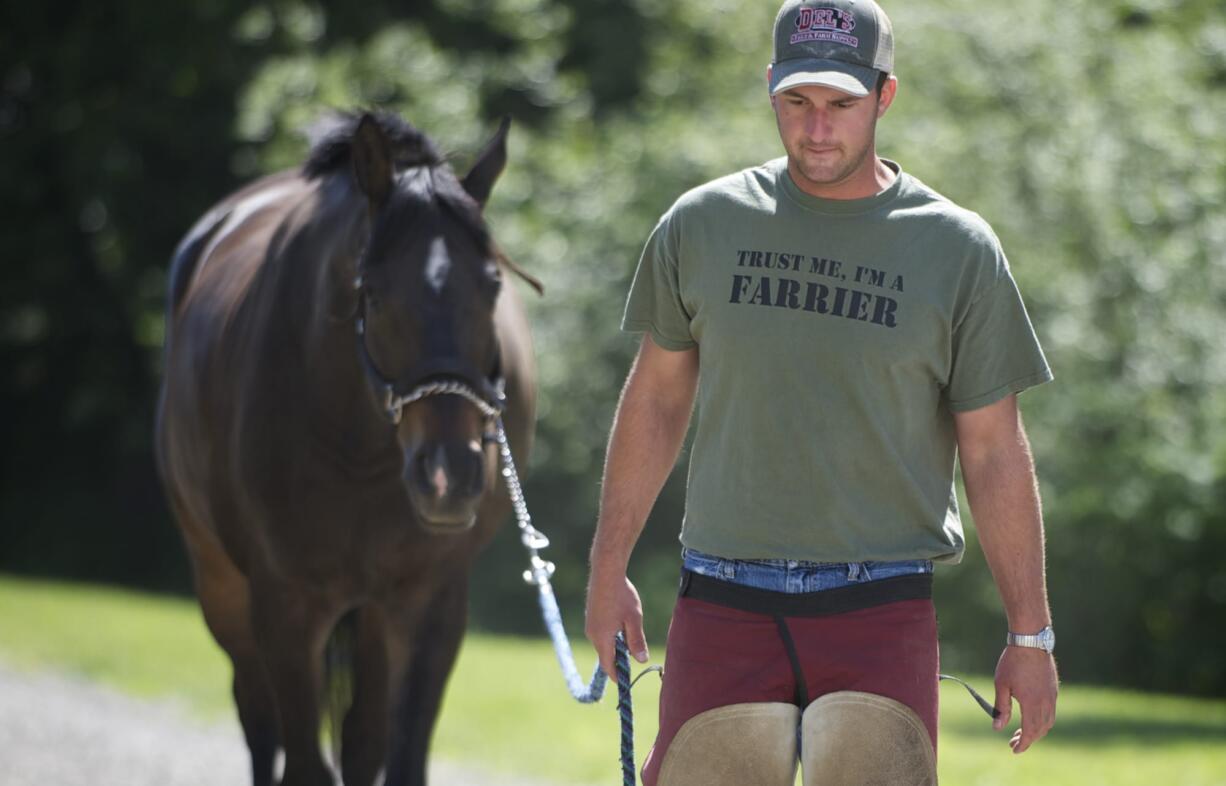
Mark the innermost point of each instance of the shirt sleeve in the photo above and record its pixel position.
(995, 350)
(655, 304)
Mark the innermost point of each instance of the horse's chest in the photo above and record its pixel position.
(361, 535)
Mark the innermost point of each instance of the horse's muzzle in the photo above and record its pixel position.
(446, 481)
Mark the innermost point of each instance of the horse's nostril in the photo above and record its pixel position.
(434, 472)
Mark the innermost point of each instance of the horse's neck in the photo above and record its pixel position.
(313, 283)
(344, 413)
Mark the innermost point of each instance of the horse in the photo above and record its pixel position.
(339, 349)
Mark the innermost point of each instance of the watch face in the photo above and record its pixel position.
(1047, 639)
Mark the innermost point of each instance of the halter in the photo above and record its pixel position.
(432, 377)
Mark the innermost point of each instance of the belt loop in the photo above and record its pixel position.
(853, 571)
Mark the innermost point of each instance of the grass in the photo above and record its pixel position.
(507, 708)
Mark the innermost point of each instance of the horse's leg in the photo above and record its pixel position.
(292, 624)
(257, 711)
(225, 599)
(365, 734)
(435, 640)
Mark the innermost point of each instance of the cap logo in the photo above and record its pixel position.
(825, 24)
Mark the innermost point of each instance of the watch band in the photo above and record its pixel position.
(1044, 640)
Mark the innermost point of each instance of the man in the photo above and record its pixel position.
(847, 332)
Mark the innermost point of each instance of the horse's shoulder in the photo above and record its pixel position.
(226, 213)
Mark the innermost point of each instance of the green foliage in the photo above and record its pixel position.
(103, 109)
(1089, 134)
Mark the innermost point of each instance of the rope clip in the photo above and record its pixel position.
(540, 572)
(533, 538)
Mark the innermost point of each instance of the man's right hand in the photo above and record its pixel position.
(613, 607)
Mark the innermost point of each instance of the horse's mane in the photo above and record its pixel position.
(330, 140)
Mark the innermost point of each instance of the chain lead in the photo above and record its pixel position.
(533, 539)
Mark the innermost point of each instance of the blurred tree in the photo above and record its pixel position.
(115, 125)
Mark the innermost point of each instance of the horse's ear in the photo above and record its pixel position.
(479, 181)
(371, 156)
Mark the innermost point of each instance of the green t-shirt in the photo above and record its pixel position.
(837, 338)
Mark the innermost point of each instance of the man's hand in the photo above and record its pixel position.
(1028, 675)
(613, 606)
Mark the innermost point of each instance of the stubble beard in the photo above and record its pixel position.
(838, 171)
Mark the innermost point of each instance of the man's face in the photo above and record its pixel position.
(829, 136)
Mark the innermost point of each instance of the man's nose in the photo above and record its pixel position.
(817, 124)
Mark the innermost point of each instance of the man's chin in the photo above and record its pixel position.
(824, 174)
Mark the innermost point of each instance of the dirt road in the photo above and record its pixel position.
(57, 730)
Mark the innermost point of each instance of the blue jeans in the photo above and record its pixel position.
(791, 575)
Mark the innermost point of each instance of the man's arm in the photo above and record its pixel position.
(998, 471)
(647, 433)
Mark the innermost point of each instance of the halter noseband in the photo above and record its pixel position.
(433, 377)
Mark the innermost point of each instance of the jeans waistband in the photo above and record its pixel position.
(797, 576)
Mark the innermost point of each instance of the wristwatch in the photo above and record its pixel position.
(1043, 640)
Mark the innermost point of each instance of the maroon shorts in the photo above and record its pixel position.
(719, 656)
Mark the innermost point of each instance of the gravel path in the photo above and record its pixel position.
(57, 730)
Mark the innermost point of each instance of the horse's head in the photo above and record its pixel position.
(427, 283)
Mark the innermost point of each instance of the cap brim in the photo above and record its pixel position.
(847, 78)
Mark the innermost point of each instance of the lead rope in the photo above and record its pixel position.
(538, 575)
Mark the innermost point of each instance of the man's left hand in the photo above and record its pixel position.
(1028, 675)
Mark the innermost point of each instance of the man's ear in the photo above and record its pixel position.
(768, 85)
(888, 91)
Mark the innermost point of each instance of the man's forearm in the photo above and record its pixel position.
(1000, 484)
(1004, 498)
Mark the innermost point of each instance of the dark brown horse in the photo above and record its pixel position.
(338, 343)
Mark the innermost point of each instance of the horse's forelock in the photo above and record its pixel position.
(431, 191)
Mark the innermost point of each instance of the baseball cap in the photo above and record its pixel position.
(842, 44)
